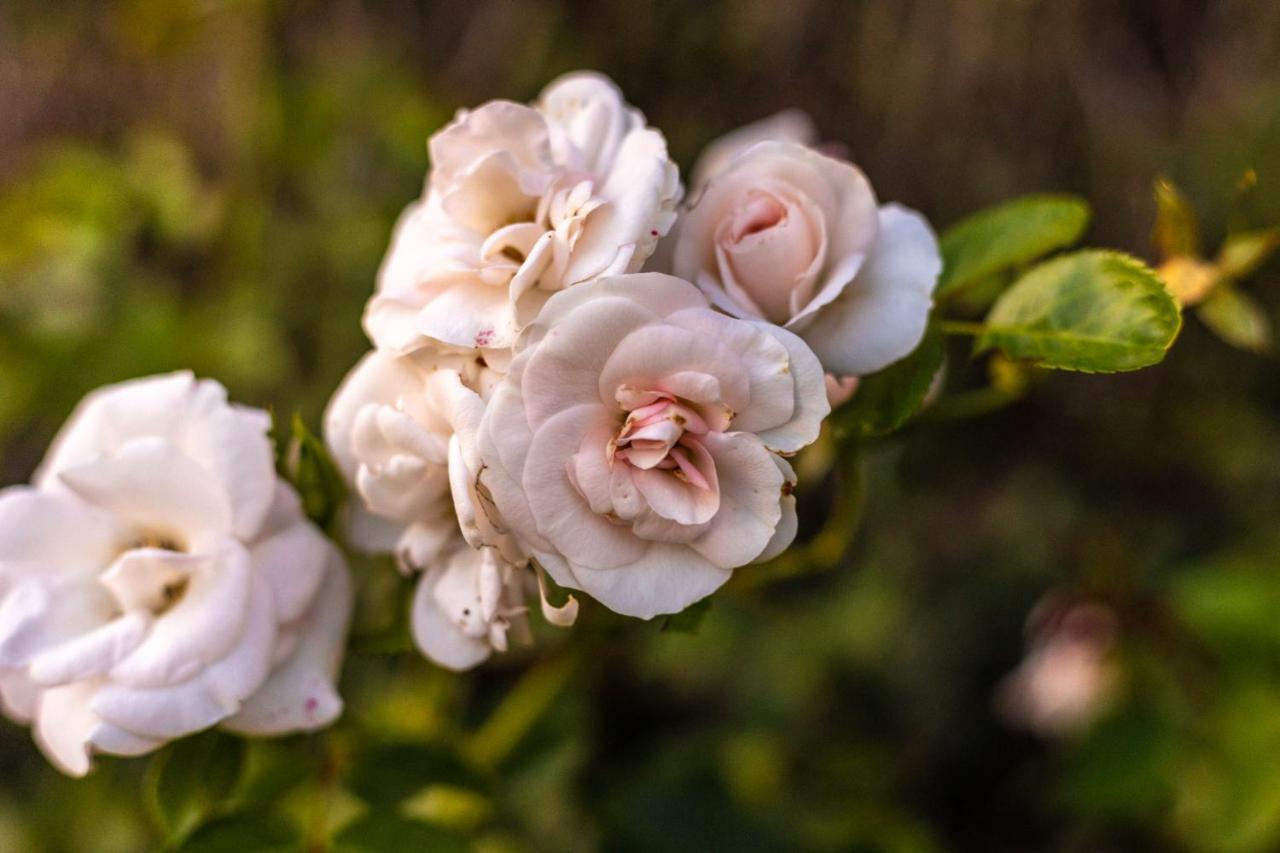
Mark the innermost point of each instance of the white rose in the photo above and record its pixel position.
(402, 430)
(792, 236)
(522, 202)
(158, 579)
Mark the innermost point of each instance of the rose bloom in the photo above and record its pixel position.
(635, 447)
(402, 429)
(1068, 673)
(521, 202)
(158, 579)
(789, 235)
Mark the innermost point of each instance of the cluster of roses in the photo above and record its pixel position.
(574, 373)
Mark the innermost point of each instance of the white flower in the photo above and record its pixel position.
(522, 202)
(635, 447)
(158, 579)
(792, 236)
(402, 430)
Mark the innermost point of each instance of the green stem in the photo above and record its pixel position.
(961, 327)
(519, 710)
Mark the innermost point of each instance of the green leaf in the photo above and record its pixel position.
(688, 621)
(383, 833)
(1175, 230)
(886, 400)
(1009, 235)
(192, 781)
(1237, 318)
(1093, 311)
(243, 833)
(305, 462)
(1245, 251)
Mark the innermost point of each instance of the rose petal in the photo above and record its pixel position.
(882, 315)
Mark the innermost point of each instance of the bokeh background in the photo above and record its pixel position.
(203, 184)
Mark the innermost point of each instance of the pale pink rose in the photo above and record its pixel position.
(523, 201)
(635, 447)
(158, 579)
(789, 235)
(402, 429)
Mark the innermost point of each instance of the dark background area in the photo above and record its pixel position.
(212, 185)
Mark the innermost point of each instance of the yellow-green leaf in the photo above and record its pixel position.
(1009, 235)
(1175, 232)
(1245, 251)
(1094, 311)
(1237, 318)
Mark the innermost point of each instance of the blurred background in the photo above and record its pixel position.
(1056, 625)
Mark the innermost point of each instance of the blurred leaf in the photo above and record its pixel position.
(1237, 318)
(1009, 235)
(688, 621)
(1093, 311)
(388, 834)
(1123, 766)
(886, 400)
(243, 833)
(1231, 605)
(387, 774)
(1175, 228)
(305, 462)
(272, 769)
(449, 806)
(1245, 251)
(192, 780)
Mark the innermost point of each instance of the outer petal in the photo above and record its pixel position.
(436, 635)
(152, 485)
(292, 556)
(785, 533)
(68, 731)
(229, 442)
(751, 492)
(301, 694)
(881, 316)
(786, 126)
(666, 579)
(54, 533)
(588, 120)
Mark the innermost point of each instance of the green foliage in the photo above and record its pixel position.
(385, 775)
(886, 400)
(242, 833)
(1236, 317)
(192, 781)
(1092, 311)
(304, 460)
(384, 833)
(689, 620)
(1006, 236)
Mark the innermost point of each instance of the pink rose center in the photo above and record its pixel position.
(663, 435)
(768, 252)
